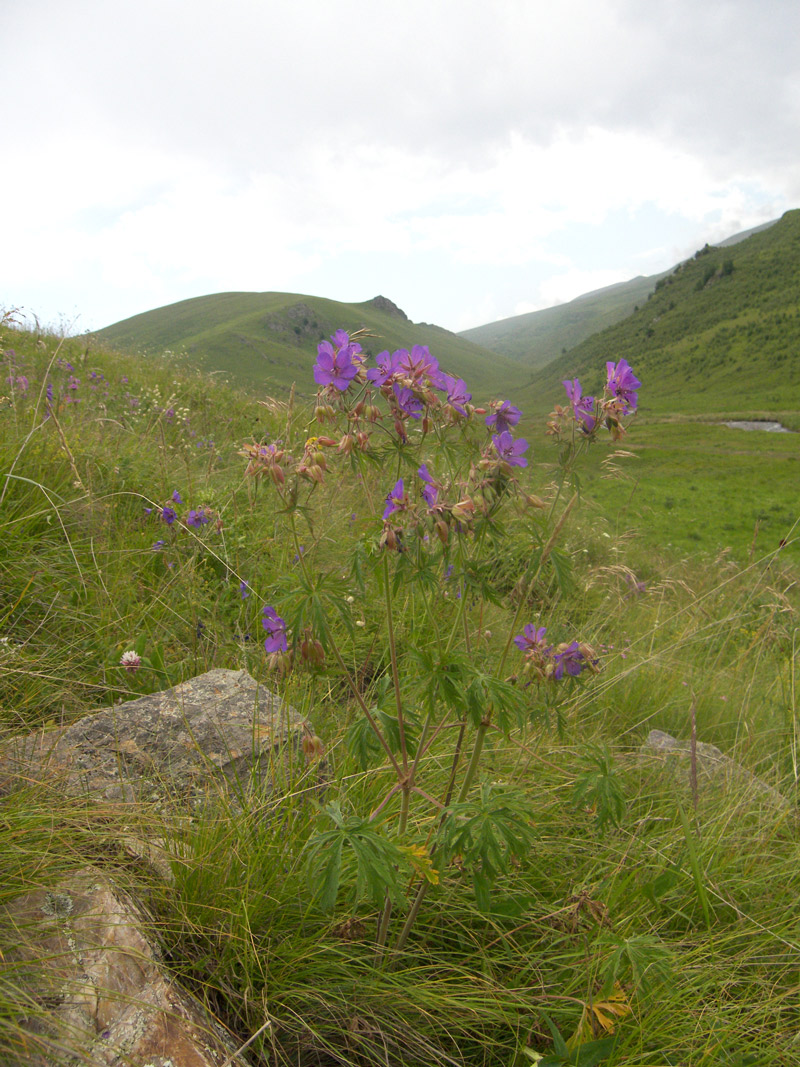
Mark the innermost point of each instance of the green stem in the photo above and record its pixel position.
(401, 727)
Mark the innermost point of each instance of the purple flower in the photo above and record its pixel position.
(49, 392)
(176, 496)
(197, 518)
(415, 364)
(505, 416)
(169, 414)
(157, 546)
(457, 395)
(335, 365)
(530, 638)
(244, 590)
(582, 406)
(73, 382)
(395, 500)
(509, 450)
(168, 515)
(570, 661)
(276, 630)
(430, 492)
(407, 402)
(622, 383)
(385, 368)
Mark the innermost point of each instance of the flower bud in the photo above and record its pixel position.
(277, 475)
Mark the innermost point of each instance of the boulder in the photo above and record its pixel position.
(93, 990)
(219, 730)
(713, 768)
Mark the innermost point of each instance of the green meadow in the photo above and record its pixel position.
(560, 900)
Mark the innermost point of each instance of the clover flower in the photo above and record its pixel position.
(131, 661)
(503, 417)
(276, 630)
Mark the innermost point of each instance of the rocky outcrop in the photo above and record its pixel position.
(713, 768)
(94, 989)
(219, 730)
(383, 303)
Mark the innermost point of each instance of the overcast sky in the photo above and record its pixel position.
(469, 160)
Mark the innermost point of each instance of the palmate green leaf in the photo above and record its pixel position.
(562, 569)
(488, 832)
(356, 851)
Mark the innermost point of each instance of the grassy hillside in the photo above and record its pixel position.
(538, 337)
(267, 341)
(719, 335)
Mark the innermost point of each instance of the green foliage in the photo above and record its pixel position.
(601, 788)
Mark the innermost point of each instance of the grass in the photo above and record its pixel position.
(678, 932)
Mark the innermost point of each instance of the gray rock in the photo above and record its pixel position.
(219, 730)
(713, 767)
(93, 990)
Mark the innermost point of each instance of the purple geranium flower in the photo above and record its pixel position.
(244, 590)
(509, 450)
(395, 500)
(504, 417)
(276, 630)
(457, 395)
(417, 363)
(623, 383)
(176, 496)
(570, 661)
(430, 492)
(158, 545)
(408, 403)
(197, 518)
(531, 637)
(168, 515)
(335, 366)
(385, 368)
(582, 406)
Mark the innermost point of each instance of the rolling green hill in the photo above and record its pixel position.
(538, 337)
(267, 341)
(719, 335)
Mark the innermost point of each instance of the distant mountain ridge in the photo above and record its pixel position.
(538, 337)
(268, 341)
(719, 334)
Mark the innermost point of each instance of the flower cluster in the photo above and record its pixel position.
(196, 518)
(547, 662)
(589, 413)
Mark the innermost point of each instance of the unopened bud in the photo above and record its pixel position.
(277, 475)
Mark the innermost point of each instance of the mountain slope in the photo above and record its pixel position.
(538, 337)
(720, 334)
(268, 341)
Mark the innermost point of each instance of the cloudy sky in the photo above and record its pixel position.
(469, 159)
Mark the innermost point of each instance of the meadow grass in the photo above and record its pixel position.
(671, 925)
